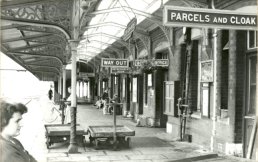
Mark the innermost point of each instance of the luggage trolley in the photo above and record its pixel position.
(56, 133)
(114, 134)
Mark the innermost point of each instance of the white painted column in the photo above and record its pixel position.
(214, 111)
(64, 82)
(73, 45)
(60, 84)
(88, 89)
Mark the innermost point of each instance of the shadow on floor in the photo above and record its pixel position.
(148, 142)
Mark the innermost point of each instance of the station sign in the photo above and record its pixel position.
(86, 75)
(209, 18)
(120, 70)
(157, 62)
(111, 62)
(129, 29)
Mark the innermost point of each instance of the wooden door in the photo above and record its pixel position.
(171, 91)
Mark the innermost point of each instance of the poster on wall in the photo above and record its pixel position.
(134, 89)
(207, 71)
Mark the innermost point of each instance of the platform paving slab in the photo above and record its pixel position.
(148, 144)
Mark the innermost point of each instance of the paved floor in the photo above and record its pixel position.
(148, 144)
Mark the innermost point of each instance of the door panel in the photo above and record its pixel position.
(250, 110)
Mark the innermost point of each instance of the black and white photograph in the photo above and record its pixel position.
(128, 80)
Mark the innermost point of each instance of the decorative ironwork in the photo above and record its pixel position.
(58, 12)
(43, 30)
(195, 4)
(168, 32)
(50, 40)
(44, 51)
(146, 41)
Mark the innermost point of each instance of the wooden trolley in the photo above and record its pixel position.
(105, 133)
(56, 133)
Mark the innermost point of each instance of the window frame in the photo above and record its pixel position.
(255, 40)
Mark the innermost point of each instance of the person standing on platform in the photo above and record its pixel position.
(50, 94)
(11, 148)
(113, 100)
(68, 108)
(105, 99)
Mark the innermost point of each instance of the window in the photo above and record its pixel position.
(251, 39)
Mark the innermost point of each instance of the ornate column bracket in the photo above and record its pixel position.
(118, 51)
(146, 41)
(131, 47)
(169, 35)
(73, 45)
(125, 44)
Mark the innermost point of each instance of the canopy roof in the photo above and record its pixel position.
(36, 33)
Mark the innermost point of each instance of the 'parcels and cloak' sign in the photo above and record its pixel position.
(210, 18)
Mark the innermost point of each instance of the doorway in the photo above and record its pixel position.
(250, 107)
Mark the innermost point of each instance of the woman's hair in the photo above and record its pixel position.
(7, 111)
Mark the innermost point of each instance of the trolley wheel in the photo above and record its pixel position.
(84, 142)
(128, 142)
(96, 143)
(48, 143)
(115, 145)
(91, 140)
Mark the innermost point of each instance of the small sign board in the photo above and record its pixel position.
(83, 57)
(120, 70)
(111, 62)
(209, 18)
(86, 75)
(207, 71)
(156, 62)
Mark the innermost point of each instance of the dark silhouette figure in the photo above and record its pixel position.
(50, 94)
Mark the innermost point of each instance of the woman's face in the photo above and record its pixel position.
(14, 126)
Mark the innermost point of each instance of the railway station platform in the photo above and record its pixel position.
(148, 144)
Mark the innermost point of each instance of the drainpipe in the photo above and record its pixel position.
(214, 111)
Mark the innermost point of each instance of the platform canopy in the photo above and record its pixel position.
(36, 33)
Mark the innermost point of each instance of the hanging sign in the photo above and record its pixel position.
(120, 70)
(129, 29)
(157, 62)
(86, 75)
(111, 62)
(209, 18)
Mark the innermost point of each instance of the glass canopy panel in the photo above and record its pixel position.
(17, 44)
(11, 34)
(113, 24)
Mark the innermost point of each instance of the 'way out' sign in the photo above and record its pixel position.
(109, 62)
(209, 18)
